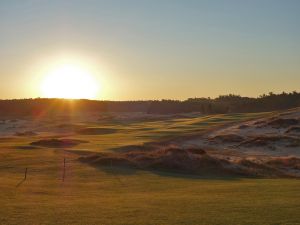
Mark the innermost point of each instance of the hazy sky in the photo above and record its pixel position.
(153, 49)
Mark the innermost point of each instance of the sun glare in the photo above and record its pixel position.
(69, 81)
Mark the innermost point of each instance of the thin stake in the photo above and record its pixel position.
(25, 174)
(64, 172)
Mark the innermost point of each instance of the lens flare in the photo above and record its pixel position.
(71, 82)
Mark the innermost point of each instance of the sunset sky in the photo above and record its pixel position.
(149, 49)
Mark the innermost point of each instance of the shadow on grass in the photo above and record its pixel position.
(129, 171)
(195, 176)
(80, 152)
(161, 160)
(20, 183)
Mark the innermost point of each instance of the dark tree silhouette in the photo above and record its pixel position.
(223, 104)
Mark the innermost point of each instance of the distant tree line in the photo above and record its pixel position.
(223, 104)
(228, 104)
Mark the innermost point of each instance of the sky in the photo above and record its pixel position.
(153, 49)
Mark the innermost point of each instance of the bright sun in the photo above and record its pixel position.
(69, 81)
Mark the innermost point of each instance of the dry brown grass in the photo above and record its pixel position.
(227, 138)
(261, 141)
(293, 130)
(192, 161)
(285, 162)
(281, 122)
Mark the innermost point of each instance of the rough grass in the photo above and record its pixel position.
(191, 161)
(282, 123)
(227, 138)
(171, 159)
(265, 140)
(293, 130)
(285, 162)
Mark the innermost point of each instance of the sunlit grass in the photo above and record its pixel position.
(91, 196)
(114, 196)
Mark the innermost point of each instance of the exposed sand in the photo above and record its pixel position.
(261, 140)
(241, 146)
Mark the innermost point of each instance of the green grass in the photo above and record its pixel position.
(114, 196)
(135, 133)
(92, 196)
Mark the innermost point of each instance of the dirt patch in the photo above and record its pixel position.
(96, 131)
(57, 143)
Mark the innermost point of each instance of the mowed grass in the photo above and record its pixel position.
(139, 132)
(117, 196)
(113, 196)
(133, 132)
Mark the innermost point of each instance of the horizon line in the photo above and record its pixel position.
(161, 99)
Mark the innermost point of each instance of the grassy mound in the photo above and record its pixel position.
(191, 161)
(169, 159)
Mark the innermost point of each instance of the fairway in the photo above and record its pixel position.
(91, 196)
(113, 195)
(127, 131)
